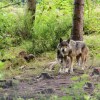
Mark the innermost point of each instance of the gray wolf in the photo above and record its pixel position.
(68, 51)
(64, 62)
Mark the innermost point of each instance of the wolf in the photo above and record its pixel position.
(64, 61)
(72, 50)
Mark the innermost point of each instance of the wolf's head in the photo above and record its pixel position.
(63, 47)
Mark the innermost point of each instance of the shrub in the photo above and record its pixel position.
(52, 22)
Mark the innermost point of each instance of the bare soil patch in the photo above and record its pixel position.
(28, 86)
(33, 87)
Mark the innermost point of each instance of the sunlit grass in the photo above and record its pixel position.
(93, 42)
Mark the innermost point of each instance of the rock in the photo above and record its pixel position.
(6, 83)
(23, 67)
(51, 65)
(22, 54)
(3, 60)
(47, 91)
(44, 76)
(29, 57)
(88, 87)
(17, 77)
(96, 71)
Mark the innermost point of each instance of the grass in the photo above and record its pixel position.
(1, 65)
(42, 60)
(93, 42)
(1, 75)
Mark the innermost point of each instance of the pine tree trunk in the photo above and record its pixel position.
(77, 29)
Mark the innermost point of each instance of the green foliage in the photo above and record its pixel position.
(1, 76)
(53, 19)
(93, 43)
(14, 26)
(1, 65)
(91, 18)
(5, 22)
(75, 78)
(97, 96)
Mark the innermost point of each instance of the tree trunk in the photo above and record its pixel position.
(77, 29)
(32, 8)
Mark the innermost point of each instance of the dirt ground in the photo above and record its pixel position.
(34, 87)
(27, 86)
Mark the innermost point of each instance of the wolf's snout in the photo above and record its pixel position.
(63, 50)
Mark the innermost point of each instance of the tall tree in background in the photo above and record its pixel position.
(32, 8)
(29, 19)
(77, 29)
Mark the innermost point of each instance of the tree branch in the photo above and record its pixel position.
(10, 5)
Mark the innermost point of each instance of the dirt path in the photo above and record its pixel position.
(29, 86)
(32, 87)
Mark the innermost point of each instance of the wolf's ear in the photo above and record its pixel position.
(72, 42)
(61, 40)
(68, 40)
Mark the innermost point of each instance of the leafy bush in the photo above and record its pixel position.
(14, 26)
(53, 20)
(91, 18)
(93, 44)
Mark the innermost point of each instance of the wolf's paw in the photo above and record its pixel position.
(66, 70)
(61, 71)
(82, 68)
(71, 71)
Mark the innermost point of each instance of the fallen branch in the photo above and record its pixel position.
(10, 5)
(51, 65)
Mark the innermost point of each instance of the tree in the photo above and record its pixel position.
(77, 29)
(32, 8)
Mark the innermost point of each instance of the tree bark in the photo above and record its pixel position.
(77, 29)
(32, 8)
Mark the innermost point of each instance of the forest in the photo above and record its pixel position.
(30, 31)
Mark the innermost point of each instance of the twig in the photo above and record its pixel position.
(10, 5)
(51, 65)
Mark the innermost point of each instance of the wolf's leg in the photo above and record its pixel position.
(72, 63)
(71, 69)
(68, 64)
(84, 56)
(83, 62)
(61, 70)
(66, 70)
(78, 59)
